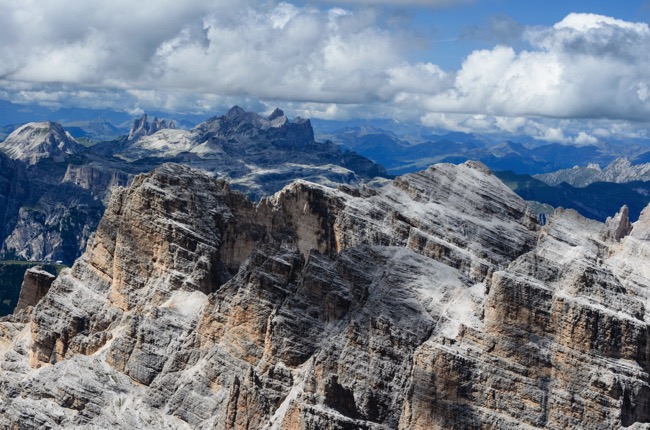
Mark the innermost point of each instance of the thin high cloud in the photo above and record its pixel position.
(332, 63)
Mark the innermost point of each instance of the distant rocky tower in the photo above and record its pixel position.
(142, 127)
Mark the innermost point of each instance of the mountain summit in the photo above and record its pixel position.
(35, 141)
(246, 127)
(142, 127)
(260, 154)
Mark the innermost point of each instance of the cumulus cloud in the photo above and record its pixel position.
(280, 51)
(577, 68)
(329, 62)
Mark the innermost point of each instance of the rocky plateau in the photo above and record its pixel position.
(434, 301)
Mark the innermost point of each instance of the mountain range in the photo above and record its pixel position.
(403, 152)
(434, 301)
(52, 170)
(597, 200)
(54, 189)
(244, 274)
(618, 171)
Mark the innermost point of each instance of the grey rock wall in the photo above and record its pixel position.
(433, 302)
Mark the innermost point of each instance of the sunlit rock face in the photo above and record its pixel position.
(142, 127)
(36, 141)
(435, 301)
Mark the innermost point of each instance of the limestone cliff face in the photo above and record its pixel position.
(47, 212)
(36, 284)
(433, 302)
(101, 181)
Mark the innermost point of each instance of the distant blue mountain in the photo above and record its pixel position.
(597, 201)
(12, 113)
(18, 114)
(403, 152)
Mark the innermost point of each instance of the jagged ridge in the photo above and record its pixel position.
(435, 301)
(618, 171)
(50, 207)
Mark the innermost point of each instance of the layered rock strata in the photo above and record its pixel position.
(36, 284)
(433, 302)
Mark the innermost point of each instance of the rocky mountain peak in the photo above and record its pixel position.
(435, 301)
(619, 163)
(277, 113)
(235, 111)
(238, 125)
(477, 165)
(35, 141)
(142, 127)
(239, 117)
(619, 226)
(621, 170)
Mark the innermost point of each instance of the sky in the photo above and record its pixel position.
(563, 71)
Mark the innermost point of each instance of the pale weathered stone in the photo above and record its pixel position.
(435, 301)
(36, 284)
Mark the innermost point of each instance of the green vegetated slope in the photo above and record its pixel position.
(11, 278)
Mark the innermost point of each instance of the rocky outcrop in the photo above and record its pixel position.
(14, 190)
(53, 222)
(49, 208)
(619, 226)
(436, 301)
(142, 127)
(54, 191)
(259, 155)
(36, 284)
(99, 179)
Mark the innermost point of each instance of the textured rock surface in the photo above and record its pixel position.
(620, 170)
(259, 155)
(35, 141)
(49, 208)
(52, 221)
(142, 127)
(435, 301)
(36, 284)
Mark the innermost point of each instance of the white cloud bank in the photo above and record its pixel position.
(198, 55)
